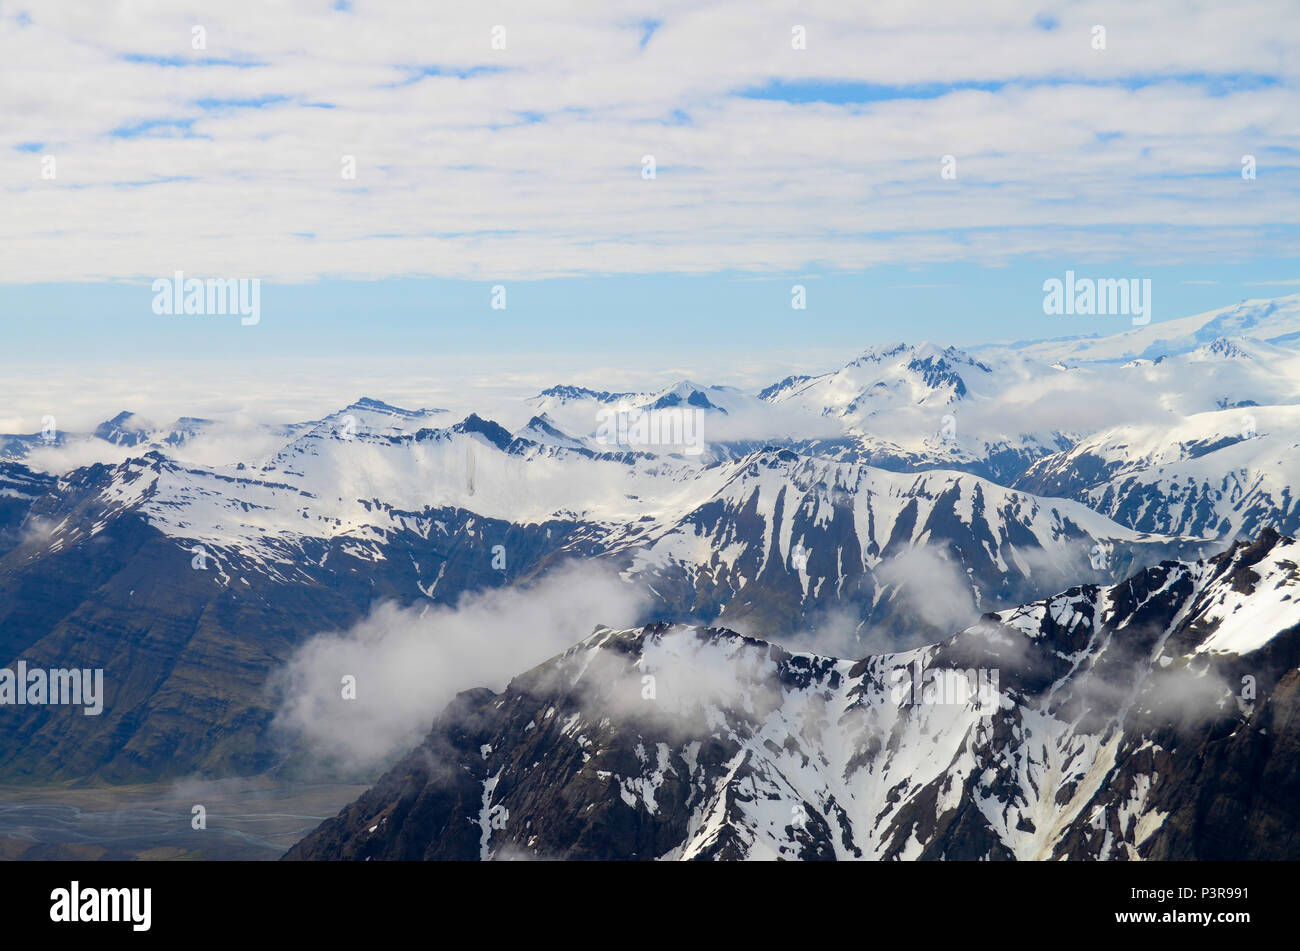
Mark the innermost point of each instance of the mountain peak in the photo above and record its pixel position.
(686, 393)
(880, 352)
(374, 405)
(565, 392)
(1227, 347)
(542, 428)
(494, 432)
(124, 429)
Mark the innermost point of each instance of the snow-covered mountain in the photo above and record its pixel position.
(784, 537)
(1155, 718)
(126, 429)
(1222, 474)
(569, 400)
(895, 499)
(729, 421)
(886, 377)
(1226, 373)
(339, 521)
(130, 433)
(1273, 320)
(771, 536)
(919, 407)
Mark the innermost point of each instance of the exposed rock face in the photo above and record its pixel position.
(1155, 718)
(187, 651)
(19, 488)
(790, 537)
(1218, 475)
(97, 569)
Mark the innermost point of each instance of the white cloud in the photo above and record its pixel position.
(410, 662)
(75, 453)
(453, 179)
(931, 588)
(266, 389)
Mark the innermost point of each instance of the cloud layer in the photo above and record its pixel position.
(408, 663)
(527, 161)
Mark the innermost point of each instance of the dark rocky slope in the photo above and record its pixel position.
(1155, 718)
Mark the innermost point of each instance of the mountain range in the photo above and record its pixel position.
(1157, 718)
(917, 504)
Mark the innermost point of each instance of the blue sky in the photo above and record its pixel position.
(709, 315)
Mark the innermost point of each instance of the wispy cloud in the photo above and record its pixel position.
(526, 161)
(408, 663)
